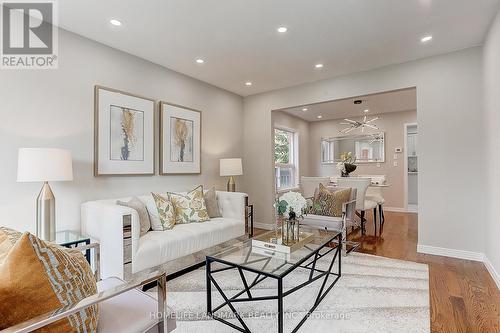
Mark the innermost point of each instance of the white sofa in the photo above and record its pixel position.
(123, 253)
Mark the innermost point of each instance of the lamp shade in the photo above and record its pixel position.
(44, 164)
(231, 167)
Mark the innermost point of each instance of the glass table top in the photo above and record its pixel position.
(69, 236)
(270, 262)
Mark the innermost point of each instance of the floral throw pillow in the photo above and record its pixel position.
(189, 207)
(166, 212)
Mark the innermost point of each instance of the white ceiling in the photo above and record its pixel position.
(393, 101)
(239, 42)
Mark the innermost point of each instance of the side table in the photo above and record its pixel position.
(72, 239)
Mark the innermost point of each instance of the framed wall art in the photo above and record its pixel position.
(124, 133)
(180, 140)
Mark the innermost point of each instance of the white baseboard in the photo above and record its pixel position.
(460, 254)
(397, 210)
(265, 226)
(494, 274)
(441, 251)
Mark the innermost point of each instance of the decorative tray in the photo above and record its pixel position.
(269, 243)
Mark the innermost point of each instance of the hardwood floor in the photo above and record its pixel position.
(464, 297)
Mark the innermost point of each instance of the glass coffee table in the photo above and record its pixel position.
(270, 264)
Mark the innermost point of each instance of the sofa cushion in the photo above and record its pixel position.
(37, 277)
(189, 207)
(212, 204)
(141, 209)
(158, 247)
(166, 212)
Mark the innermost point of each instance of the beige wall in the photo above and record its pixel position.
(301, 127)
(55, 108)
(390, 123)
(449, 103)
(492, 123)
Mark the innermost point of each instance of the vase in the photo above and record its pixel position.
(348, 169)
(290, 230)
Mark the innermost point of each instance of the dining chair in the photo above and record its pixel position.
(374, 193)
(363, 204)
(309, 184)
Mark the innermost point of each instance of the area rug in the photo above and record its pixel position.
(374, 294)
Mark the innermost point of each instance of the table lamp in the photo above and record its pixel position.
(231, 167)
(44, 165)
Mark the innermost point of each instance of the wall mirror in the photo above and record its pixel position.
(368, 148)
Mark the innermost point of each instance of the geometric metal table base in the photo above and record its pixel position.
(308, 262)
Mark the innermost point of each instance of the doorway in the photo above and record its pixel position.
(411, 166)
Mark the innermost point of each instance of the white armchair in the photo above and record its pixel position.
(341, 223)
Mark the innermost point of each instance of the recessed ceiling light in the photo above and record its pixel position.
(304, 109)
(366, 110)
(248, 83)
(200, 61)
(319, 117)
(115, 22)
(318, 65)
(426, 39)
(282, 29)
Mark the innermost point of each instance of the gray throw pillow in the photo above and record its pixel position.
(211, 203)
(139, 206)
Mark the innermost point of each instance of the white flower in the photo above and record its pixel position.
(341, 166)
(295, 202)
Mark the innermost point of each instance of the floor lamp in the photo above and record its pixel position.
(44, 165)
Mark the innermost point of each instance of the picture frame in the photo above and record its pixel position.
(180, 139)
(124, 133)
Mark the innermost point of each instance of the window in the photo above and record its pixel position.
(285, 158)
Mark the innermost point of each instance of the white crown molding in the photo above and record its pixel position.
(494, 274)
(441, 251)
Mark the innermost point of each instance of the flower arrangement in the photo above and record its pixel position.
(346, 166)
(292, 205)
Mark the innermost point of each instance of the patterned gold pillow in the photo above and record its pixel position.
(8, 238)
(37, 277)
(166, 211)
(329, 203)
(189, 207)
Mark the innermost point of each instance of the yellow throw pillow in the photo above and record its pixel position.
(166, 211)
(189, 207)
(37, 277)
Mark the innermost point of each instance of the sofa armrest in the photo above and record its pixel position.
(232, 204)
(104, 222)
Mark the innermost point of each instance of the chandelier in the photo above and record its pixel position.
(353, 124)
